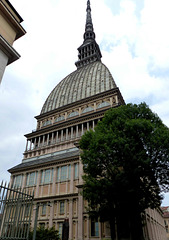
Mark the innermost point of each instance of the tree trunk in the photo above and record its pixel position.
(136, 225)
(113, 229)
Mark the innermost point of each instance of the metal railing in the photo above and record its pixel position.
(15, 212)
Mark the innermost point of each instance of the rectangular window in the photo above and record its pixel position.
(31, 178)
(63, 173)
(44, 209)
(42, 225)
(47, 176)
(18, 181)
(62, 207)
(94, 227)
(60, 230)
(76, 175)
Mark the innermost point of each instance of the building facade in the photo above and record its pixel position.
(51, 165)
(166, 219)
(10, 30)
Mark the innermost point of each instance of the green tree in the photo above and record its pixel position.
(126, 167)
(45, 234)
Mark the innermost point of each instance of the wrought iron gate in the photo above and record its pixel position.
(15, 212)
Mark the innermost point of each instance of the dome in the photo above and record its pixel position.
(85, 82)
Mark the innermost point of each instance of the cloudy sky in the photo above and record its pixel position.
(134, 41)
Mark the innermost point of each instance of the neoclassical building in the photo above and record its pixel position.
(51, 165)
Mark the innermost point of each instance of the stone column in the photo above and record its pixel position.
(82, 129)
(67, 178)
(26, 146)
(43, 141)
(80, 216)
(30, 145)
(38, 183)
(72, 178)
(52, 137)
(67, 134)
(54, 181)
(70, 219)
(35, 143)
(93, 125)
(88, 227)
(34, 209)
(111, 101)
(57, 209)
(62, 135)
(116, 99)
(57, 136)
(71, 132)
(87, 126)
(39, 141)
(24, 181)
(80, 172)
(77, 131)
(47, 139)
(51, 214)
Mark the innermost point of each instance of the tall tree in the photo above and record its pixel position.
(126, 167)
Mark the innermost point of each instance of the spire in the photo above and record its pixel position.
(89, 32)
(89, 51)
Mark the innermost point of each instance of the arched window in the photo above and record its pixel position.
(48, 122)
(88, 109)
(59, 119)
(103, 104)
(73, 114)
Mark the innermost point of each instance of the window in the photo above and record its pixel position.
(76, 172)
(44, 209)
(88, 109)
(94, 227)
(60, 230)
(73, 114)
(27, 210)
(103, 104)
(18, 181)
(46, 123)
(63, 173)
(42, 225)
(59, 119)
(31, 178)
(47, 176)
(62, 207)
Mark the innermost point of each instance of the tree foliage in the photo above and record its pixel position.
(45, 234)
(126, 161)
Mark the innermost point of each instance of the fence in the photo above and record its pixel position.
(15, 212)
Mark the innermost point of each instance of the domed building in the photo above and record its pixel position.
(51, 166)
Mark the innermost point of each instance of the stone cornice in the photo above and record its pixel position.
(10, 52)
(20, 31)
(78, 103)
(56, 197)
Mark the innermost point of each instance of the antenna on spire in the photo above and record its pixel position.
(89, 31)
(89, 51)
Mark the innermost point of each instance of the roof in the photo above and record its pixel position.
(45, 160)
(85, 82)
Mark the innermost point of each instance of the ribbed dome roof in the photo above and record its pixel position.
(85, 82)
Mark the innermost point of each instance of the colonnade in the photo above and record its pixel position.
(61, 135)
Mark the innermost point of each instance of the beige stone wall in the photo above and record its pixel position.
(7, 30)
(154, 228)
